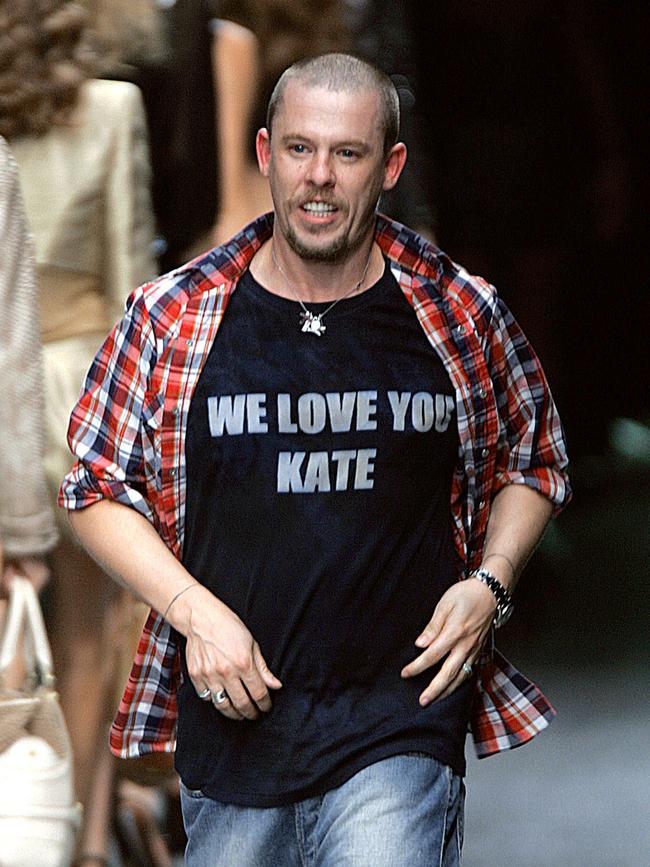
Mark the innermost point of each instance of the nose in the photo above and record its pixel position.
(320, 171)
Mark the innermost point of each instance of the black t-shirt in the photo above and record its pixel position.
(319, 473)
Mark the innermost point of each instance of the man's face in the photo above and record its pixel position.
(326, 168)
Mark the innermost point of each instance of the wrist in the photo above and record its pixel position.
(194, 612)
(502, 596)
(177, 610)
(502, 568)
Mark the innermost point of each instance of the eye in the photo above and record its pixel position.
(348, 153)
(298, 148)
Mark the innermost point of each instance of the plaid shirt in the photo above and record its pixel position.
(128, 434)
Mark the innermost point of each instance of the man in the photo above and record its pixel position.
(296, 459)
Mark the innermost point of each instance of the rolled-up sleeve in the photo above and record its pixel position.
(105, 430)
(532, 448)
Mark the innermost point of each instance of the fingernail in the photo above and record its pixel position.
(421, 640)
(424, 701)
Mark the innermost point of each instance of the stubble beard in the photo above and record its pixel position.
(340, 248)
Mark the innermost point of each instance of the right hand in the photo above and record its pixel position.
(222, 654)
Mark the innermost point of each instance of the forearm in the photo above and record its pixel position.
(236, 71)
(221, 653)
(130, 550)
(464, 616)
(518, 518)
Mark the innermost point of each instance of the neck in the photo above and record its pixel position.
(284, 273)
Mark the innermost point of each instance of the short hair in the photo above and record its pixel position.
(44, 60)
(342, 72)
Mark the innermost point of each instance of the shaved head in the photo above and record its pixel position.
(342, 72)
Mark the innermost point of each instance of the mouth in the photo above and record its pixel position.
(319, 207)
(319, 212)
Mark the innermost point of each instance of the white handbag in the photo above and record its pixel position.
(39, 818)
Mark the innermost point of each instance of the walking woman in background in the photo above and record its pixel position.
(27, 528)
(81, 148)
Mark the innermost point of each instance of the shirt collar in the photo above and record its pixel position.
(402, 246)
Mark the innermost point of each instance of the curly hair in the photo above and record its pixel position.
(44, 60)
(127, 34)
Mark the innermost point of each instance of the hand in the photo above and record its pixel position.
(35, 569)
(222, 655)
(457, 630)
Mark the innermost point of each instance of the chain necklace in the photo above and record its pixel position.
(312, 323)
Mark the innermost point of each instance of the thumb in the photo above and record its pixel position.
(267, 675)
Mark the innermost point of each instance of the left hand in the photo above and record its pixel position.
(457, 630)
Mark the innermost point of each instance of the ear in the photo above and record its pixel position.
(393, 165)
(263, 150)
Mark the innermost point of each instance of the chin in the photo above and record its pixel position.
(328, 251)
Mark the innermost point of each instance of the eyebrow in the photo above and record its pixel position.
(355, 144)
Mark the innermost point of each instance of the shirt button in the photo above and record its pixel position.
(176, 411)
(481, 504)
(460, 329)
(189, 342)
(485, 453)
(173, 472)
(482, 392)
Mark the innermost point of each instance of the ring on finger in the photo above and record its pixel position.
(219, 697)
(467, 668)
(204, 695)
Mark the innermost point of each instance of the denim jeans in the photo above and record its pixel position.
(404, 811)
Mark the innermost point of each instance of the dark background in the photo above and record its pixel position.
(534, 120)
(536, 116)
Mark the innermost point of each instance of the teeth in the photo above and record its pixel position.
(319, 207)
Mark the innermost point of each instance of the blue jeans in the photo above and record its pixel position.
(404, 811)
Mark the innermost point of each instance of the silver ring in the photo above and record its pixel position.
(467, 668)
(204, 695)
(219, 697)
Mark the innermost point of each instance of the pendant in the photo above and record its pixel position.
(312, 324)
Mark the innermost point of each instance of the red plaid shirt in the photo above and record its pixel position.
(128, 434)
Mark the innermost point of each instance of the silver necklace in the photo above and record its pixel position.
(312, 323)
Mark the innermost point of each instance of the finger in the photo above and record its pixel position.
(455, 683)
(259, 680)
(460, 679)
(433, 628)
(450, 676)
(240, 700)
(433, 654)
(199, 681)
(225, 707)
(257, 690)
(267, 675)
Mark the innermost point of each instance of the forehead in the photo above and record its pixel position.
(314, 111)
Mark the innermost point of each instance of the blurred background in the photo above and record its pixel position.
(528, 134)
(533, 124)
